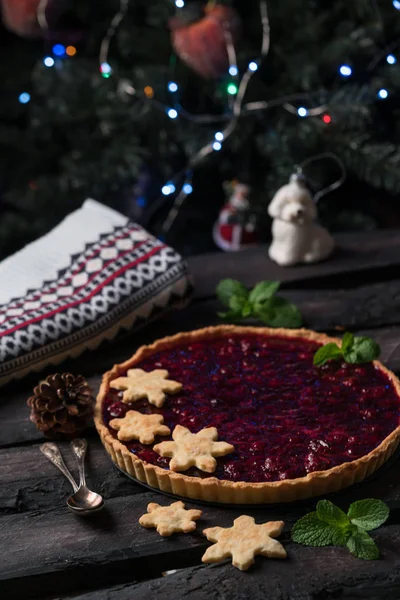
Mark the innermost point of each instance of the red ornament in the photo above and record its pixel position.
(201, 42)
(20, 16)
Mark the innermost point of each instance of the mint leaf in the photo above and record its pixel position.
(329, 513)
(263, 291)
(368, 514)
(231, 287)
(363, 546)
(328, 352)
(340, 537)
(310, 531)
(260, 303)
(246, 309)
(363, 349)
(237, 303)
(347, 341)
(278, 312)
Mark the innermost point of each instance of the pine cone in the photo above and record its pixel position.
(61, 405)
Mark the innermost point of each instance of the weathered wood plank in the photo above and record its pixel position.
(308, 573)
(46, 551)
(355, 253)
(43, 551)
(29, 482)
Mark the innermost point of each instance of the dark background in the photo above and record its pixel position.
(82, 136)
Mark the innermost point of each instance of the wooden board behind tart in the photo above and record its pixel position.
(290, 430)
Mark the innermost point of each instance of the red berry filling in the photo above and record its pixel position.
(285, 417)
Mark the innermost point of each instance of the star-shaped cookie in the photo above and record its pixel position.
(170, 519)
(193, 449)
(152, 385)
(243, 541)
(136, 426)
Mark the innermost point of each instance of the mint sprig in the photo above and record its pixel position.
(330, 526)
(260, 303)
(353, 350)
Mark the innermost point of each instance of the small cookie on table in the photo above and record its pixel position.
(244, 541)
(170, 519)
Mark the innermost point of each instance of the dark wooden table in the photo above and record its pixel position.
(46, 552)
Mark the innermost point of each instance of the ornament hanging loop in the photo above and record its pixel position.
(301, 178)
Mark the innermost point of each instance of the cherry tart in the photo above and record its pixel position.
(286, 429)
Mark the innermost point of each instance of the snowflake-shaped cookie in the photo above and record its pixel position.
(193, 449)
(170, 519)
(136, 426)
(152, 385)
(243, 541)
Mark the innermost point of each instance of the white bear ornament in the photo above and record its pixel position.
(296, 238)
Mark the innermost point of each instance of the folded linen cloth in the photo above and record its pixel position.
(91, 276)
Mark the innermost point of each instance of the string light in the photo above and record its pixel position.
(383, 94)
(232, 89)
(234, 119)
(392, 60)
(345, 70)
(58, 50)
(71, 50)
(48, 61)
(115, 23)
(105, 70)
(24, 98)
(237, 107)
(41, 14)
(168, 189)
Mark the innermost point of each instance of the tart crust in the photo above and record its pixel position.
(211, 489)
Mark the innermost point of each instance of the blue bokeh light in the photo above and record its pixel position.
(48, 61)
(345, 70)
(58, 50)
(24, 97)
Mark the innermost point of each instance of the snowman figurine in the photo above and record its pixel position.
(236, 227)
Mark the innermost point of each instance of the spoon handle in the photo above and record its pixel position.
(79, 447)
(53, 454)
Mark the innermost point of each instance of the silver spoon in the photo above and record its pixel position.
(83, 501)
